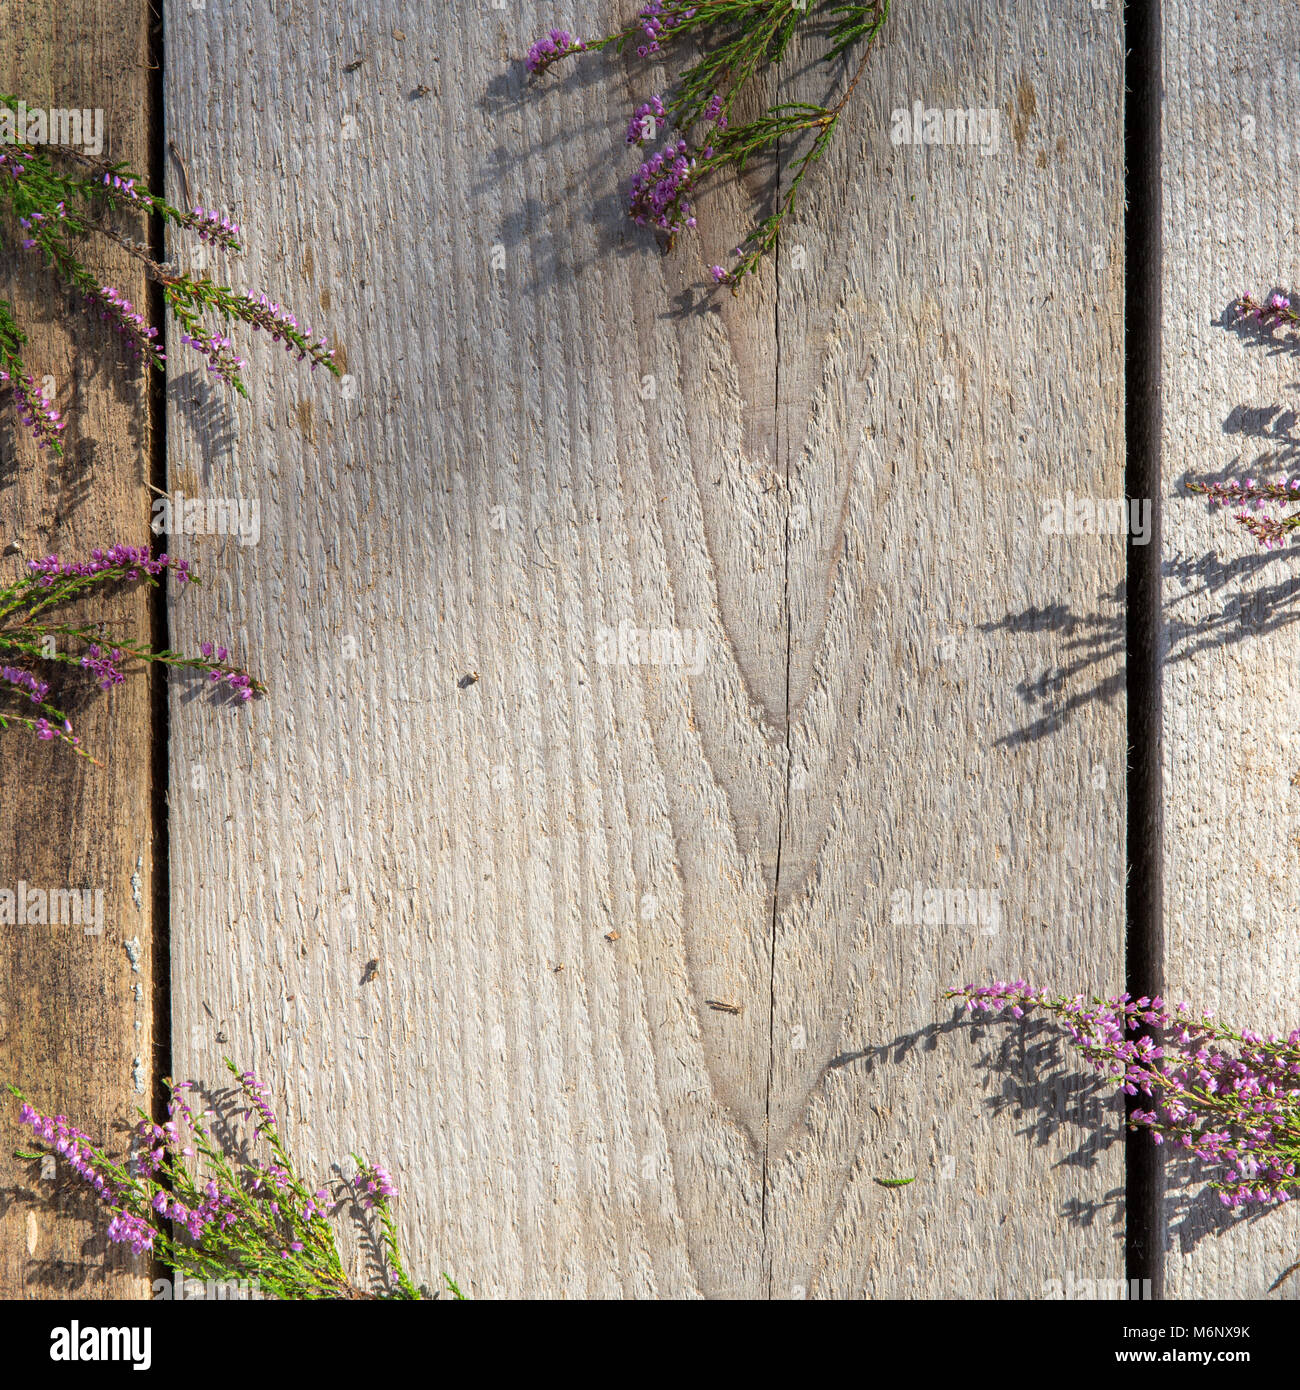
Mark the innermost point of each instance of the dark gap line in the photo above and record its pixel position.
(161, 1060)
(1144, 953)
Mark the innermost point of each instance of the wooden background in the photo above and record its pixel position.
(473, 927)
(77, 1011)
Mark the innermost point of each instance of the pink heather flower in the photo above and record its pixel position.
(211, 226)
(127, 1229)
(126, 187)
(103, 668)
(134, 562)
(660, 194)
(260, 313)
(218, 349)
(34, 410)
(127, 321)
(658, 20)
(646, 122)
(1251, 499)
(559, 43)
(1225, 1097)
(36, 690)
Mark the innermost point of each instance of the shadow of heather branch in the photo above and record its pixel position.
(1027, 1070)
(1033, 1074)
(209, 415)
(1271, 339)
(65, 1197)
(1094, 640)
(227, 1125)
(1097, 638)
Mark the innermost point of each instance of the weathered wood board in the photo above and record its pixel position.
(77, 1009)
(1232, 759)
(830, 490)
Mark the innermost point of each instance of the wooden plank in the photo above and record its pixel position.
(77, 1010)
(504, 491)
(1232, 103)
(950, 360)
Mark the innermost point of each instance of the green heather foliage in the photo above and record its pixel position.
(734, 41)
(214, 1210)
(58, 195)
(32, 631)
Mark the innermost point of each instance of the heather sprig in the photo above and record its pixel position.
(1252, 500)
(1230, 1099)
(738, 39)
(32, 631)
(1260, 507)
(228, 1211)
(58, 197)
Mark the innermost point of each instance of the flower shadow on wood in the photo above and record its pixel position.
(1260, 587)
(1031, 1075)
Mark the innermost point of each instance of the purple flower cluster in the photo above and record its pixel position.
(46, 731)
(103, 666)
(135, 561)
(658, 20)
(218, 349)
(71, 1145)
(11, 162)
(126, 320)
(283, 328)
(253, 1089)
(559, 43)
(660, 194)
(31, 224)
(34, 410)
(198, 1205)
(1252, 500)
(646, 120)
(1230, 1099)
(242, 685)
(126, 187)
(24, 680)
(373, 1184)
(212, 226)
(130, 1230)
(1277, 309)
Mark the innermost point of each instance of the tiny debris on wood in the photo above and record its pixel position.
(421, 91)
(399, 36)
(468, 679)
(354, 64)
(371, 970)
(555, 969)
(613, 935)
(722, 1006)
(894, 1182)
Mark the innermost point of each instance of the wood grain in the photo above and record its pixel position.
(835, 483)
(950, 361)
(77, 1010)
(1231, 127)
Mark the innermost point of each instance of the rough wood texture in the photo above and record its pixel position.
(836, 480)
(1232, 104)
(76, 1012)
